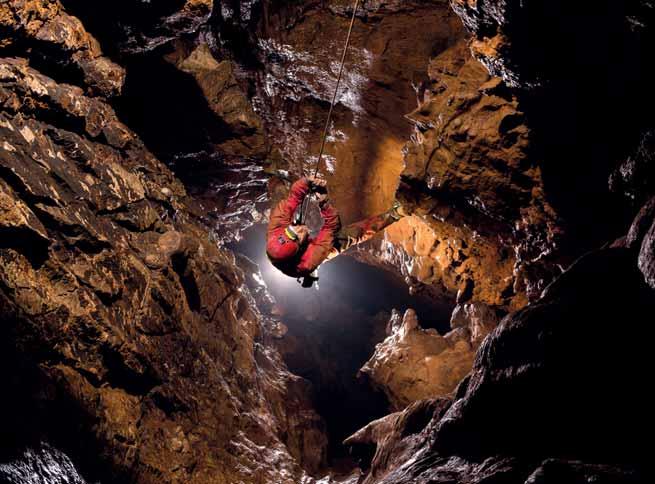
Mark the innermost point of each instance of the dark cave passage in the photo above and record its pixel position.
(333, 330)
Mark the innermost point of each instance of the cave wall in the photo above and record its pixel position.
(143, 353)
(537, 406)
(140, 350)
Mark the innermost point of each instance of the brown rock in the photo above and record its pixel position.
(413, 363)
(227, 100)
(299, 46)
(448, 255)
(165, 371)
(35, 22)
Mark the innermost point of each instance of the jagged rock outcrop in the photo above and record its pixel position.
(472, 150)
(385, 442)
(543, 374)
(449, 256)
(482, 224)
(140, 332)
(413, 363)
(225, 98)
(471, 143)
(141, 27)
(42, 465)
(58, 41)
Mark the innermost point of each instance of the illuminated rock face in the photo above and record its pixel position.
(413, 364)
(128, 337)
(299, 48)
(60, 41)
(134, 343)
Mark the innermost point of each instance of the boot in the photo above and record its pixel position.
(398, 211)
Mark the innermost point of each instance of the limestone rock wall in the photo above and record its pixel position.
(139, 348)
(299, 48)
(537, 406)
(137, 345)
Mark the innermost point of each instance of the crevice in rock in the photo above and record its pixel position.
(168, 110)
(46, 58)
(26, 242)
(181, 267)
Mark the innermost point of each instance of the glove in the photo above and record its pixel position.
(317, 185)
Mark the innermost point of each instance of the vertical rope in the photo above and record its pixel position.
(334, 99)
(336, 89)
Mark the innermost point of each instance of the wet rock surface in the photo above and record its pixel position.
(144, 352)
(43, 465)
(140, 348)
(298, 47)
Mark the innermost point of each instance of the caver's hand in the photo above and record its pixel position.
(317, 184)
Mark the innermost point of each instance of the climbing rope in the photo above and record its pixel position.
(334, 99)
